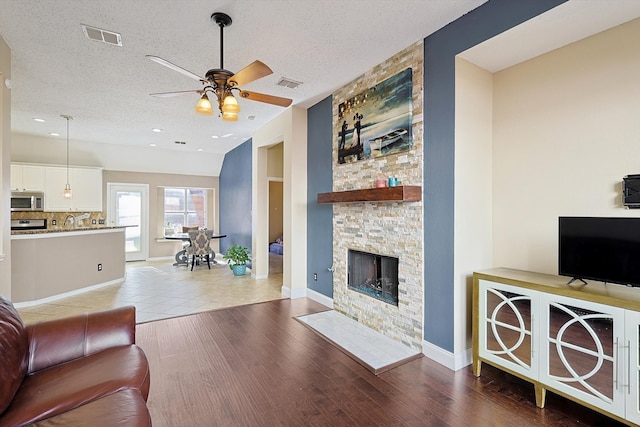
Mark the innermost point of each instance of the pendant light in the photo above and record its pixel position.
(67, 188)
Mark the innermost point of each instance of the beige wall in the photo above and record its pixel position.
(275, 166)
(157, 182)
(290, 128)
(5, 162)
(549, 137)
(566, 131)
(473, 201)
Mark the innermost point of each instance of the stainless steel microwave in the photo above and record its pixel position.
(27, 201)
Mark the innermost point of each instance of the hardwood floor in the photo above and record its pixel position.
(255, 365)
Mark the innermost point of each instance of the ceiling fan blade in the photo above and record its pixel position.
(254, 71)
(174, 67)
(269, 99)
(169, 94)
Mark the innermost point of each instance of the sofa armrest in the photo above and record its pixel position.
(60, 340)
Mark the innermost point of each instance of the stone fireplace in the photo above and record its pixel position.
(390, 230)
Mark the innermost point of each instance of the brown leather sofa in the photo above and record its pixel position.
(78, 371)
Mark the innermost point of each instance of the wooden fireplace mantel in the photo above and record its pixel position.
(403, 193)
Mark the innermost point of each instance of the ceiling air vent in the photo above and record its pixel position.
(291, 84)
(100, 35)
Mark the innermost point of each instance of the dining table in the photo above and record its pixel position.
(181, 256)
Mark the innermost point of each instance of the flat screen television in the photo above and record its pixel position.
(602, 249)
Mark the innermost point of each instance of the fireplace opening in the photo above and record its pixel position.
(373, 275)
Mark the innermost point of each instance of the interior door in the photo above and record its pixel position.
(128, 205)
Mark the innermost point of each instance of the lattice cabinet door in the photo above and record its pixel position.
(583, 351)
(632, 374)
(506, 327)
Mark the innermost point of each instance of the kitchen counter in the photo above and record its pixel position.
(47, 264)
(49, 232)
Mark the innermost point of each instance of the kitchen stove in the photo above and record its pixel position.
(28, 224)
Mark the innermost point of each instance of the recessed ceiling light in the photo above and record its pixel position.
(215, 136)
(35, 119)
(152, 145)
(54, 134)
(157, 130)
(199, 149)
(251, 117)
(227, 135)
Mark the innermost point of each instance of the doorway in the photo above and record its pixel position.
(128, 205)
(276, 225)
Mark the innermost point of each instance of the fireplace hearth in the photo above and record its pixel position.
(373, 275)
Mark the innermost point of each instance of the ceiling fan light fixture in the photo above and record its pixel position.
(204, 106)
(230, 117)
(230, 105)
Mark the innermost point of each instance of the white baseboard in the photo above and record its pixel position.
(160, 258)
(67, 294)
(293, 294)
(450, 360)
(318, 297)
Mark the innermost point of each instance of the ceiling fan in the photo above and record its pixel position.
(223, 82)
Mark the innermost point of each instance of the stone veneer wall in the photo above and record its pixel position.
(392, 229)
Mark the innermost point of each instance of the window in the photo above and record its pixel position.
(185, 207)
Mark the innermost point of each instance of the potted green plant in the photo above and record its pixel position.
(237, 257)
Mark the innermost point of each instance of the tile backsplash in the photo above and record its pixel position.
(60, 217)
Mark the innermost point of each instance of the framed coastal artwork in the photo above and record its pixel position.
(376, 122)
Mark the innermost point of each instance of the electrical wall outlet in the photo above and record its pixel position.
(53, 222)
(315, 276)
(101, 221)
(93, 221)
(99, 267)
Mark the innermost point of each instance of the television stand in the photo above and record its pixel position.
(576, 278)
(579, 342)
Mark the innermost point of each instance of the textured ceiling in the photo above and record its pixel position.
(323, 43)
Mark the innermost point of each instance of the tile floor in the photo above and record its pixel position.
(161, 290)
(375, 351)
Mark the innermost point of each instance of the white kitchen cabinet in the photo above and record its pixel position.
(86, 185)
(86, 189)
(579, 341)
(27, 177)
(55, 181)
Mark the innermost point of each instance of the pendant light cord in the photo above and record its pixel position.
(67, 150)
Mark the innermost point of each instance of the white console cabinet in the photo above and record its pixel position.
(579, 341)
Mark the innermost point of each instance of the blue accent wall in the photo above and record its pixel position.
(319, 180)
(440, 50)
(235, 197)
